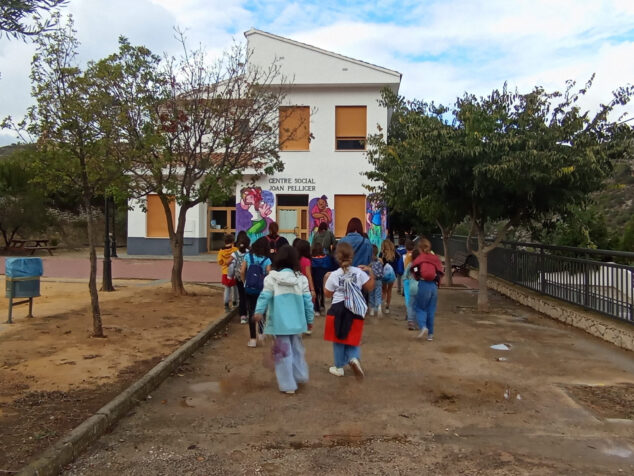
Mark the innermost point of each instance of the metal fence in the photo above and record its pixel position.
(589, 278)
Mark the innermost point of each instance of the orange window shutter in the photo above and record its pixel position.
(351, 121)
(294, 128)
(347, 207)
(156, 220)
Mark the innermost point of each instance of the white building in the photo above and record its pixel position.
(334, 100)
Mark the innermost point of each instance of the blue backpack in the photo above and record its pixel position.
(254, 277)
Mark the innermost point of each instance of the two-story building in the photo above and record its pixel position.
(332, 106)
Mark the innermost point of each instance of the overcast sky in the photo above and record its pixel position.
(442, 47)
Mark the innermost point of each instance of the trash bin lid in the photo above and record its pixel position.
(23, 267)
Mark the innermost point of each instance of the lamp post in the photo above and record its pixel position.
(114, 233)
(106, 284)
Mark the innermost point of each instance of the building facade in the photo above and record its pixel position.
(332, 105)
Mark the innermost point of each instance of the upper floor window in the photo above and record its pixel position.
(350, 127)
(294, 128)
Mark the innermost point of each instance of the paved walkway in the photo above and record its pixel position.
(550, 405)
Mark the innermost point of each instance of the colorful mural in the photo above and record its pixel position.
(376, 222)
(320, 212)
(253, 211)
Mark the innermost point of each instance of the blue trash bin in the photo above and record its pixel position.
(22, 281)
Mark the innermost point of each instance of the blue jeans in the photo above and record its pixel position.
(344, 353)
(290, 362)
(375, 296)
(425, 305)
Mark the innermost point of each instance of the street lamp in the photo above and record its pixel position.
(106, 284)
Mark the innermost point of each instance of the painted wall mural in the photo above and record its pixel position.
(376, 218)
(253, 211)
(320, 213)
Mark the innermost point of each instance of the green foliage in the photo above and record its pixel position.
(21, 19)
(23, 205)
(627, 241)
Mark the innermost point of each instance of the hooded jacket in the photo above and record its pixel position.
(361, 246)
(287, 302)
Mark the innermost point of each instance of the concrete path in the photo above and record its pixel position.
(558, 402)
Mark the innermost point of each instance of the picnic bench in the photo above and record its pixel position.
(32, 246)
(461, 261)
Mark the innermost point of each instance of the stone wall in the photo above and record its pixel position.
(608, 329)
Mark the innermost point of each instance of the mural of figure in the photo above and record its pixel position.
(376, 218)
(320, 212)
(253, 211)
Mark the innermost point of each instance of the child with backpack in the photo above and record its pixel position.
(255, 266)
(426, 269)
(376, 265)
(224, 260)
(407, 260)
(275, 241)
(235, 271)
(289, 306)
(388, 253)
(320, 264)
(344, 322)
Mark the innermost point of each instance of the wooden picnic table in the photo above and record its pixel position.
(32, 245)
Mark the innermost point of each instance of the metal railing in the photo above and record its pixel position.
(577, 275)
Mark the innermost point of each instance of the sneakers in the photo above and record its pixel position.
(261, 338)
(411, 326)
(430, 337)
(227, 308)
(355, 365)
(252, 343)
(290, 392)
(422, 333)
(386, 310)
(244, 320)
(373, 312)
(308, 332)
(336, 371)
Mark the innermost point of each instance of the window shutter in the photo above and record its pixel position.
(351, 121)
(294, 128)
(156, 221)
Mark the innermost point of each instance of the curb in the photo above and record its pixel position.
(69, 447)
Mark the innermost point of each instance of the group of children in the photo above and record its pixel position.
(281, 288)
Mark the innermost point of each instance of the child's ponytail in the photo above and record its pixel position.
(344, 254)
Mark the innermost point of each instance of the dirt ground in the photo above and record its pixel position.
(558, 402)
(53, 375)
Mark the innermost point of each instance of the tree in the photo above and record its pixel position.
(416, 170)
(22, 205)
(530, 155)
(188, 130)
(73, 146)
(14, 15)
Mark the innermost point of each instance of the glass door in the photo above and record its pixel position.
(293, 222)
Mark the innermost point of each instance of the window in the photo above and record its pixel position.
(350, 127)
(346, 207)
(155, 216)
(294, 128)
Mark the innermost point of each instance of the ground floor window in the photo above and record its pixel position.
(221, 220)
(156, 221)
(292, 216)
(347, 207)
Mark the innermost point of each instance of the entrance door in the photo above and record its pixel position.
(293, 222)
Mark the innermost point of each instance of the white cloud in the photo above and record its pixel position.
(442, 47)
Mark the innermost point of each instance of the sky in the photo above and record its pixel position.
(443, 48)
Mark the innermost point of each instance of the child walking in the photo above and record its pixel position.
(286, 299)
(255, 267)
(243, 243)
(388, 253)
(321, 263)
(224, 260)
(407, 260)
(427, 268)
(375, 294)
(344, 323)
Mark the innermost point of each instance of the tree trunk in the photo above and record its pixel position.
(445, 245)
(483, 296)
(177, 268)
(92, 282)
